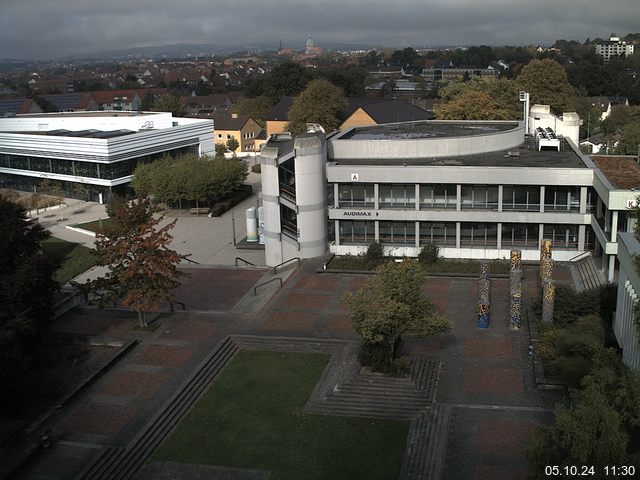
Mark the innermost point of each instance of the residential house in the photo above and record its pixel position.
(241, 127)
(14, 106)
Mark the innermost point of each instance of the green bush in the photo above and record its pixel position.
(375, 252)
(238, 196)
(429, 254)
(570, 370)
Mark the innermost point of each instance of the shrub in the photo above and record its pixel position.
(375, 252)
(429, 254)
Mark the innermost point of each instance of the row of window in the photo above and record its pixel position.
(444, 234)
(444, 196)
(77, 168)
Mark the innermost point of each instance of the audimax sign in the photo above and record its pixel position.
(359, 213)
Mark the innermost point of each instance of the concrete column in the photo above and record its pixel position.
(417, 234)
(583, 199)
(612, 266)
(500, 197)
(337, 230)
(485, 270)
(582, 232)
(336, 195)
(499, 237)
(417, 196)
(541, 199)
(377, 230)
(483, 304)
(458, 197)
(607, 221)
(546, 269)
(540, 235)
(377, 202)
(545, 248)
(614, 226)
(457, 234)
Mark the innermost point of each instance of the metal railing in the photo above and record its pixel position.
(578, 257)
(246, 262)
(275, 269)
(191, 261)
(255, 289)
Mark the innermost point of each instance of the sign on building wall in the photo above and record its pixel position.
(354, 177)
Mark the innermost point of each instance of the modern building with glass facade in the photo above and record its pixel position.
(97, 149)
(477, 189)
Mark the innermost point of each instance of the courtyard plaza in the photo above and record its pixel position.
(486, 381)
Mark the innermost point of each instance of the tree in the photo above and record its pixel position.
(603, 426)
(629, 142)
(257, 108)
(321, 102)
(220, 151)
(547, 83)
(480, 99)
(142, 268)
(27, 287)
(170, 103)
(286, 79)
(472, 105)
(51, 188)
(390, 304)
(232, 144)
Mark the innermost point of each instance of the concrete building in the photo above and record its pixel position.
(476, 189)
(97, 149)
(614, 47)
(625, 327)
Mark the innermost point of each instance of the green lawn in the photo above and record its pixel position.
(75, 258)
(252, 417)
(94, 225)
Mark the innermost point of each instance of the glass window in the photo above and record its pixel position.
(398, 233)
(481, 197)
(445, 196)
(479, 234)
(357, 232)
(330, 200)
(86, 169)
(562, 199)
(522, 198)
(564, 237)
(356, 195)
(397, 195)
(442, 234)
(40, 164)
(62, 166)
(289, 222)
(520, 235)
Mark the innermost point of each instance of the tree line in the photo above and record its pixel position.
(189, 178)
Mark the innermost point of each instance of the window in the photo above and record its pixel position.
(481, 197)
(289, 222)
(442, 234)
(397, 233)
(357, 232)
(228, 136)
(479, 235)
(520, 235)
(562, 199)
(397, 195)
(330, 198)
(521, 198)
(563, 237)
(356, 195)
(438, 196)
(220, 136)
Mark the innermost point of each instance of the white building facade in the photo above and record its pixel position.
(97, 149)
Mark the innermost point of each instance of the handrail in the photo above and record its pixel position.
(255, 289)
(247, 262)
(191, 261)
(285, 262)
(179, 303)
(573, 259)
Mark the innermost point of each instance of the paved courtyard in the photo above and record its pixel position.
(487, 376)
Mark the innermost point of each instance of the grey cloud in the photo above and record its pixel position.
(45, 28)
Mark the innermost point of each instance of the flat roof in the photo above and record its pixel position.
(525, 155)
(426, 129)
(622, 172)
(97, 113)
(90, 133)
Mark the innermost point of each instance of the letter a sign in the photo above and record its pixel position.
(354, 177)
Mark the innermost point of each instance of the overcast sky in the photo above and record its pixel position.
(43, 29)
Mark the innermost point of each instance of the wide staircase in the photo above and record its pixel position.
(585, 274)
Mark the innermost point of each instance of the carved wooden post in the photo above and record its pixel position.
(548, 299)
(483, 303)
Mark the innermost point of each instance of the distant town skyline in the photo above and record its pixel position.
(39, 29)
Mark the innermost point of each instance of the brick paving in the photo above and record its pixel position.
(486, 376)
